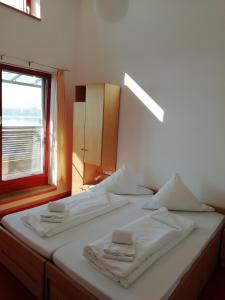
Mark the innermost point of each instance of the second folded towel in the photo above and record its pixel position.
(56, 207)
(122, 246)
(122, 236)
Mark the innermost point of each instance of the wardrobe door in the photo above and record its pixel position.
(94, 123)
(78, 136)
(110, 127)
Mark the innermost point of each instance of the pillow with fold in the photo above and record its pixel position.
(175, 195)
(122, 182)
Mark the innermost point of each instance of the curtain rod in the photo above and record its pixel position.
(29, 62)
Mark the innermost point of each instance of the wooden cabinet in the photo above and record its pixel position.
(95, 133)
(222, 250)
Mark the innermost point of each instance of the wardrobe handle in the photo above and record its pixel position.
(83, 149)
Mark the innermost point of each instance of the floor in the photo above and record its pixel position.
(11, 289)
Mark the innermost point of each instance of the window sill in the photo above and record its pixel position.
(20, 11)
(31, 199)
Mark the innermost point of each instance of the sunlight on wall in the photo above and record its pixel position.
(157, 111)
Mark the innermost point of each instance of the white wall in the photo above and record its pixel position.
(175, 49)
(51, 41)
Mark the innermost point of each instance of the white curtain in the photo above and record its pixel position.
(52, 172)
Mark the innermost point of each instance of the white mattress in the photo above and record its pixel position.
(47, 246)
(159, 281)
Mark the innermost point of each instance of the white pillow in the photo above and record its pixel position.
(175, 195)
(122, 182)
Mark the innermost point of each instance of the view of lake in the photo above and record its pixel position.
(8, 121)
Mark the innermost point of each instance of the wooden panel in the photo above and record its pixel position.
(194, 280)
(110, 127)
(56, 294)
(24, 263)
(78, 136)
(63, 287)
(90, 173)
(222, 252)
(77, 181)
(26, 203)
(93, 124)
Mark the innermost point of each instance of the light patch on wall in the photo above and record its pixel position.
(157, 111)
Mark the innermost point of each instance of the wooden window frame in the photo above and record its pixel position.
(28, 4)
(34, 180)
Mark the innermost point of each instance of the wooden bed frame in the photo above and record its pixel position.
(46, 281)
(25, 264)
(62, 287)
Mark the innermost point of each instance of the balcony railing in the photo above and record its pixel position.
(22, 151)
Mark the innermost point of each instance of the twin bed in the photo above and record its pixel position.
(55, 267)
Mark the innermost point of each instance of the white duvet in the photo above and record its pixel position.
(81, 210)
(154, 232)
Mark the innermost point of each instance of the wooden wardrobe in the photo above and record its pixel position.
(95, 133)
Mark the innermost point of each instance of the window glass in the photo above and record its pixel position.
(29, 7)
(23, 125)
(19, 4)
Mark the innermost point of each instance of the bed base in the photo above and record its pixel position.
(25, 264)
(62, 287)
(194, 280)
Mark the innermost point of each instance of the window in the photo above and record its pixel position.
(24, 131)
(30, 7)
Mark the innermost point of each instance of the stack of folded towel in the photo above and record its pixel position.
(52, 217)
(122, 247)
(56, 213)
(67, 213)
(155, 234)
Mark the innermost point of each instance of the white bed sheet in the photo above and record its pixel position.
(159, 281)
(101, 225)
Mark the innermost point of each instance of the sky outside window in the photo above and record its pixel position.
(22, 102)
(19, 4)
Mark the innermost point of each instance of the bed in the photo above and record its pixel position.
(25, 254)
(179, 274)
(32, 258)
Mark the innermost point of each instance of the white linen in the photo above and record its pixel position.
(163, 215)
(175, 195)
(151, 236)
(80, 212)
(159, 281)
(122, 182)
(100, 225)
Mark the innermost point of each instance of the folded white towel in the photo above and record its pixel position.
(153, 239)
(120, 250)
(56, 207)
(33, 221)
(81, 210)
(51, 219)
(118, 258)
(122, 236)
(164, 216)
